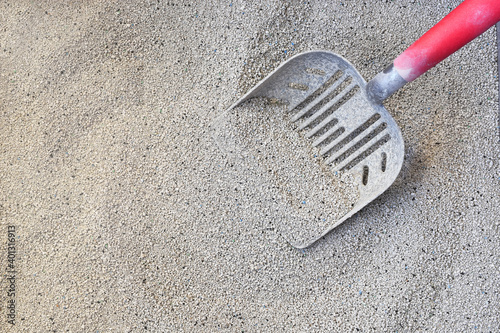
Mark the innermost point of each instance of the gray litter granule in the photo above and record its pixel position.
(312, 197)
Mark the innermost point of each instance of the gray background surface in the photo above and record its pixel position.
(131, 219)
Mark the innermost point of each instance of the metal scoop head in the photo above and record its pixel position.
(328, 101)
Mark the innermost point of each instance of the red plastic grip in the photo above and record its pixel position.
(470, 19)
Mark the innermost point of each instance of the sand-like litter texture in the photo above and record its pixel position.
(311, 197)
(130, 218)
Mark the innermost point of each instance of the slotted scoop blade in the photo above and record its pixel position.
(327, 100)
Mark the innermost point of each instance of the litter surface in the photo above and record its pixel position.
(130, 218)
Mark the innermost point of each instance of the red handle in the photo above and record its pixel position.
(470, 19)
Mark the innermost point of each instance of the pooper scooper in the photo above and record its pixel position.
(350, 126)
